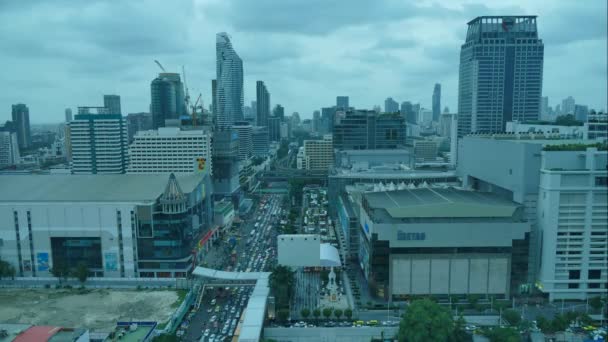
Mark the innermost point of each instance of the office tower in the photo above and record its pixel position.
(316, 122)
(279, 112)
(568, 105)
(581, 112)
(436, 102)
(226, 165)
(112, 102)
(260, 142)
(138, 122)
(214, 97)
(391, 106)
(426, 150)
(21, 121)
(262, 104)
(425, 116)
(284, 130)
(544, 108)
(244, 131)
(274, 128)
(167, 94)
(229, 67)
(68, 114)
(99, 141)
(367, 130)
(501, 73)
(407, 111)
(9, 148)
(316, 154)
(342, 102)
(170, 150)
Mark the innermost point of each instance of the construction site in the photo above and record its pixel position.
(97, 309)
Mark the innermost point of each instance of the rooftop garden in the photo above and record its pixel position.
(575, 147)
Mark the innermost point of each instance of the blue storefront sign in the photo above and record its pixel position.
(42, 261)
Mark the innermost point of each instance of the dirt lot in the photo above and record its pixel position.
(94, 309)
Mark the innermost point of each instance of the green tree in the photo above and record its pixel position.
(348, 313)
(512, 317)
(6, 270)
(316, 313)
(327, 312)
(60, 270)
(305, 313)
(282, 315)
(473, 300)
(81, 272)
(544, 324)
(338, 313)
(596, 303)
(559, 323)
(424, 321)
(459, 334)
(567, 120)
(507, 334)
(282, 285)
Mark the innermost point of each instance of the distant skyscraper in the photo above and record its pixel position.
(98, 142)
(391, 106)
(407, 111)
(68, 114)
(260, 142)
(501, 73)
(279, 112)
(581, 112)
(262, 103)
(366, 130)
(229, 83)
(274, 128)
(568, 105)
(244, 131)
(138, 122)
(21, 120)
(436, 102)
(167, 94)
(316, 122)
(544, 107)
(342, 102)
(214, 97)
(112, 102)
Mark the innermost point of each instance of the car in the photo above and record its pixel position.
(213, 301)
(206, 332)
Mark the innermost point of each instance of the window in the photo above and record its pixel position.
(601, 181)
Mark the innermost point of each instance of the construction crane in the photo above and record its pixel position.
(159, 65)
(187, 95)
(194, 107)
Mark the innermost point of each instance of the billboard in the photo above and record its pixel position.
(42, 261)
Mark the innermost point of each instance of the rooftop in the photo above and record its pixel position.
(437, 203)
(90, 188)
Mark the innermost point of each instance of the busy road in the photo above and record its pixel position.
(250, 247)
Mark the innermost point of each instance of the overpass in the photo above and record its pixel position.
(251, 330)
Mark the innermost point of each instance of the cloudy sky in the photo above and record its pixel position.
(68, 53)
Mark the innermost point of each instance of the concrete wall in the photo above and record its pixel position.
(362, 334)
(450, 274)
(299, 250)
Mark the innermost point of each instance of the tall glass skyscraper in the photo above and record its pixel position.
(501, 73)
(262, 104)
(167, 93)
(436, 102)
(229, 93)
(21, 120)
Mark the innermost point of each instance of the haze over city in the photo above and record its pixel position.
(64, 54)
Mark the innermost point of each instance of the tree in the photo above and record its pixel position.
(348, 313)
(596, 303)
(459, 334)
(544, 324)
(282, 315)
(512, 317)
(6, 270)
(338, 313)
(305, 313)
(316, 313)
(60, 270)
(81, 272)
(425, 320)
(473, 300)
(327, 312)
(567, 120)
(282, 285)
(499, 334)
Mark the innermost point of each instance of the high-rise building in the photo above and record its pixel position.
(501, 73)
(316, 122)
(68, 114)
(425, 116)
(214, 97)
(279, 112)
(226, 165)
(244, 131)
(21, 120)
(263, 104)
(581, 112)
(436, 102)
(327, 118)
(544, 108)
(170, 150)
(229, 83)
(274, 128)
(260, 141)
(391, 106)
(98, 142)
(9, 149)
(367, 130)
(167, 94)
(112, 102)
(568, 105)
(407, 111)
(342, 102)
(316, 154)
(138, 122)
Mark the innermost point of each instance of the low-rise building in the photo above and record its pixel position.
(9, 149)
(597, 125)
(548, 130)
(316, 154)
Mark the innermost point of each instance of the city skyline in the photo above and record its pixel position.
(86, 61)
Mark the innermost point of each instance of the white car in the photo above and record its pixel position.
(206, 333)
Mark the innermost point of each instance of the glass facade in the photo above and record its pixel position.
(72, 250)
(365, 130)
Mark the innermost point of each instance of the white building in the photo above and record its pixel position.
(425, 116)
(118, 225)
(597, 125)
(98, 142)
(573, 220)
(170, 150)
(316, 154)
(425, 150)
(306, 250)
(9, 149)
